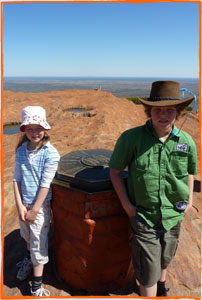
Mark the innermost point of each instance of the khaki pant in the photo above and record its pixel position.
(36, 234)
(152, 249)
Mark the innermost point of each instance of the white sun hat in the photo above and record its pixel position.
(34, 115)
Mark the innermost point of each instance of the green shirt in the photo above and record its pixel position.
(157, 172)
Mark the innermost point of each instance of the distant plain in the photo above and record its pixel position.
(118, 86)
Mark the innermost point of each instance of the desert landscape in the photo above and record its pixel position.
(84, 120)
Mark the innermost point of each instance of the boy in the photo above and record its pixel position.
(161, 162)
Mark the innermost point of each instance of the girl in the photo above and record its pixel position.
(35, 165)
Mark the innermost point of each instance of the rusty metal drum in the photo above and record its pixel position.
(91, 232)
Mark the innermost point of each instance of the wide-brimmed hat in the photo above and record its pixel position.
(34, 115)
(166, 93)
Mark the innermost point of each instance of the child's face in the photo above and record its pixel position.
(34, 133)
(163, 118)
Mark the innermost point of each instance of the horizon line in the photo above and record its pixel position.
(91, 76)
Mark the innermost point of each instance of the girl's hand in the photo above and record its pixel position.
(22, 211)
(31, 216)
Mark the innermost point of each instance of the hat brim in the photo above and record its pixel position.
(166, 102)
(45, 125)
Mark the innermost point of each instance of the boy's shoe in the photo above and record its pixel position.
(25, 268)
(41, 292)
(161, 289)
(162, 292)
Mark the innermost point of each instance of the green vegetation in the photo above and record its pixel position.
(188, 108)
(10, 124)
(136, 100)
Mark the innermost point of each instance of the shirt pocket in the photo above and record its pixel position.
(179, 162)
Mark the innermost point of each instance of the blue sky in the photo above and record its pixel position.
(101, 39)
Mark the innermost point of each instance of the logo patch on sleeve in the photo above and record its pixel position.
(182, 147)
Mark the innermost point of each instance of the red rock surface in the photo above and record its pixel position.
(104, 119)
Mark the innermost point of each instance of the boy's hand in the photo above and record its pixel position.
(188, 208)
(119, 186)
(31, 216)
(131, 210)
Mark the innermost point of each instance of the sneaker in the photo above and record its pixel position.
(41, 292)
(162, 292)
(25, 268)
(161, 289)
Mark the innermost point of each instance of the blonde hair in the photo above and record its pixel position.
(23, 138)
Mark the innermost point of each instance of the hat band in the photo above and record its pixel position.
(163, 98)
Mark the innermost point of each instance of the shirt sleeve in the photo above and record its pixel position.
(192, 162)
(48, 174)
(122, 154)
(17, 171)
(53, 156)
(50, 167)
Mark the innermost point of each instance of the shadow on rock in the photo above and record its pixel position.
(15, 250)
(197, 186)
(52, 278)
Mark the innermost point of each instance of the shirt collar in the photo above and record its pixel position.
(44, 146)
(150, 128)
